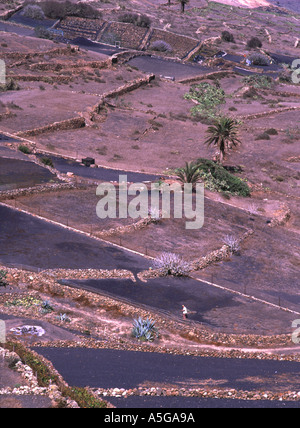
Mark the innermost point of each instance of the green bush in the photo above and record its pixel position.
(263, 136)
(25, 149)
(259, 81)
(161, 46)
(43, 33)
(271, 131)
(47, 161)
(228, 37)
(217, 178)
(254, 42)
(208, 98)
(60, 10)
(3, 275)
(84, 398)
(259, 59)
(33, 11)
(135, 19)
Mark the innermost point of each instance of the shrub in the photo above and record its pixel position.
(251, 93)
(228, 37)
(171, 264)
(259, 59)
(25, 302)
(232, 243)
(33, 11)
(144, 330)
(271, 131)
(285, 76)
(208, 98)
(258, 81)
(47, 161)
(3, 276)
(254, 43)
(161, 46)
(84, 398)
(60, 10)
(217, 178)
(43, 33)
(263, 136)
(135, 19)
(24, 149)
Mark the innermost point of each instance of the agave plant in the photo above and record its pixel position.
(144, 329)
(63, 318)
(189, 174)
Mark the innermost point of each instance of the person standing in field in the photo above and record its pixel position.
(184, 312)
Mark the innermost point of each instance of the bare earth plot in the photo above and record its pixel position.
(29, 174)
(212, 308)
(51, 107)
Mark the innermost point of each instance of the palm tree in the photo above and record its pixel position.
(189, 174)
(224, 135)
(183, 3)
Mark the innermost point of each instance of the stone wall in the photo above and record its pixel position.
(19, 56)
(74, 123)
(12, 194)
(269, 113)
(57, 66)
(45, 79)
(214, 74)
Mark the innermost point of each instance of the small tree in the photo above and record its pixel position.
(33, 11)
(228, 37)
(161, 46)
(183, 3)
(223, 134)
(189, 174)
(254, 42)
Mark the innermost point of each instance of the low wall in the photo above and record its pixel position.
(74, 123)
(12, 194)
(57, 66)
(128, 87)
(19, 56)
(268, 113)
(45, 79)
(214, 74)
